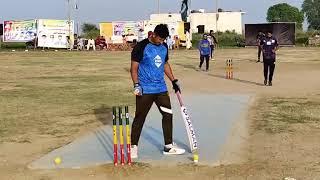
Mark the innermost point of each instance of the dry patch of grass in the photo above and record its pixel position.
(281, 114)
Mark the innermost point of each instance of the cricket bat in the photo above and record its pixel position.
(190, 130)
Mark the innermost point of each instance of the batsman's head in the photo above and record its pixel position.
(160, 34)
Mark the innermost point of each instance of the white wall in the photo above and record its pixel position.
(226, 21)
(172, 17)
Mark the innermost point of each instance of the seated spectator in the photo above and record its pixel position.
(91, 43)
(124, 39)
(80, 44)
(103, 43)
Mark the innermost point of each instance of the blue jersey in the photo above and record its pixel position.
(204, 47)
(151, 58)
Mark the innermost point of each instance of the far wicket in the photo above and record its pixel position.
(229, 69)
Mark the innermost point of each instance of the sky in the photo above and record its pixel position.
(95, 11)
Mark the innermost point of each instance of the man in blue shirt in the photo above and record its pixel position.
(269, 46)
(205, 51)
(149, 63)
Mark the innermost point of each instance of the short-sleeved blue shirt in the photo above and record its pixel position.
(151, 58)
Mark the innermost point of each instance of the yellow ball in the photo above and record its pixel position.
(195, 158)
(57, 160)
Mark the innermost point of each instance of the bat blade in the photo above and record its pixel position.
(188, 123)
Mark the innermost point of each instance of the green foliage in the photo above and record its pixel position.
(283, 12)
(90, 31)
(311, 8)
(225, 39)
(92, 34)
(13, 45)
(302, 37)
(87, 27)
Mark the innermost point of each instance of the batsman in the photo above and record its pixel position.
(149, 64)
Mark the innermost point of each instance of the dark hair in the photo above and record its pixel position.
(269, 31)
(162, 30)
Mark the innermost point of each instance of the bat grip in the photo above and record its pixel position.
(179, 98)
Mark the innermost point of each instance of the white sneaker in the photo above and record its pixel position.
(173, 149)
(134, 151)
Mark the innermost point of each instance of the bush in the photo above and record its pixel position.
(302, 37)
(92, 34)
(225, 39)
(13, 45)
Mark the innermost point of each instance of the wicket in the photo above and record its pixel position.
(229, 69)
(121, 135)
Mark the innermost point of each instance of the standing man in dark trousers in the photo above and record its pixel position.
(149, 63)
(259, 38)
(213, 42)
(204, 49)
(269, 46)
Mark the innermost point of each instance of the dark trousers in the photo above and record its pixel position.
(212, 49)
(202, 57)
(143, 105)
(268, 68)
(259, 52)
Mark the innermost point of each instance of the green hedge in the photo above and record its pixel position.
(12, 45)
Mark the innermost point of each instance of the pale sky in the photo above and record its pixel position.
(95, 11)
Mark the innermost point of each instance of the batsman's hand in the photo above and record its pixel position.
(176, 86)
(137, 89)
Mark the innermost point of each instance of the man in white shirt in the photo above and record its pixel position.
(92, 44)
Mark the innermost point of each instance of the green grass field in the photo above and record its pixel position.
(48, 92)
(48, 99)
(39, 90)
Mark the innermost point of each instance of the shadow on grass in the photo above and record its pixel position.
(188, 66)
(103, 114)
(237, 80)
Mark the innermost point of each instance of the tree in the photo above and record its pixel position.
(311, 8)
(283, 12)
(90, 30)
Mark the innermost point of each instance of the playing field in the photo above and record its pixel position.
(47, 99)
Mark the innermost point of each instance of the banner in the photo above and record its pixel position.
(106, 30)
(55, 33)
(19, 31)
(175, 28)
(129, 28)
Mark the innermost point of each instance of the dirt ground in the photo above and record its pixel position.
(283, 124)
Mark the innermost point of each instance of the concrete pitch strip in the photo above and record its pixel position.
(213, 117)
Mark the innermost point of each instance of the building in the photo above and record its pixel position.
(221, 21)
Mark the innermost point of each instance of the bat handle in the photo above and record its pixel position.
(179, 98)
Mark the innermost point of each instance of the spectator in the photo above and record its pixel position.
(91, 43)
(169, 42)
(188, 40)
